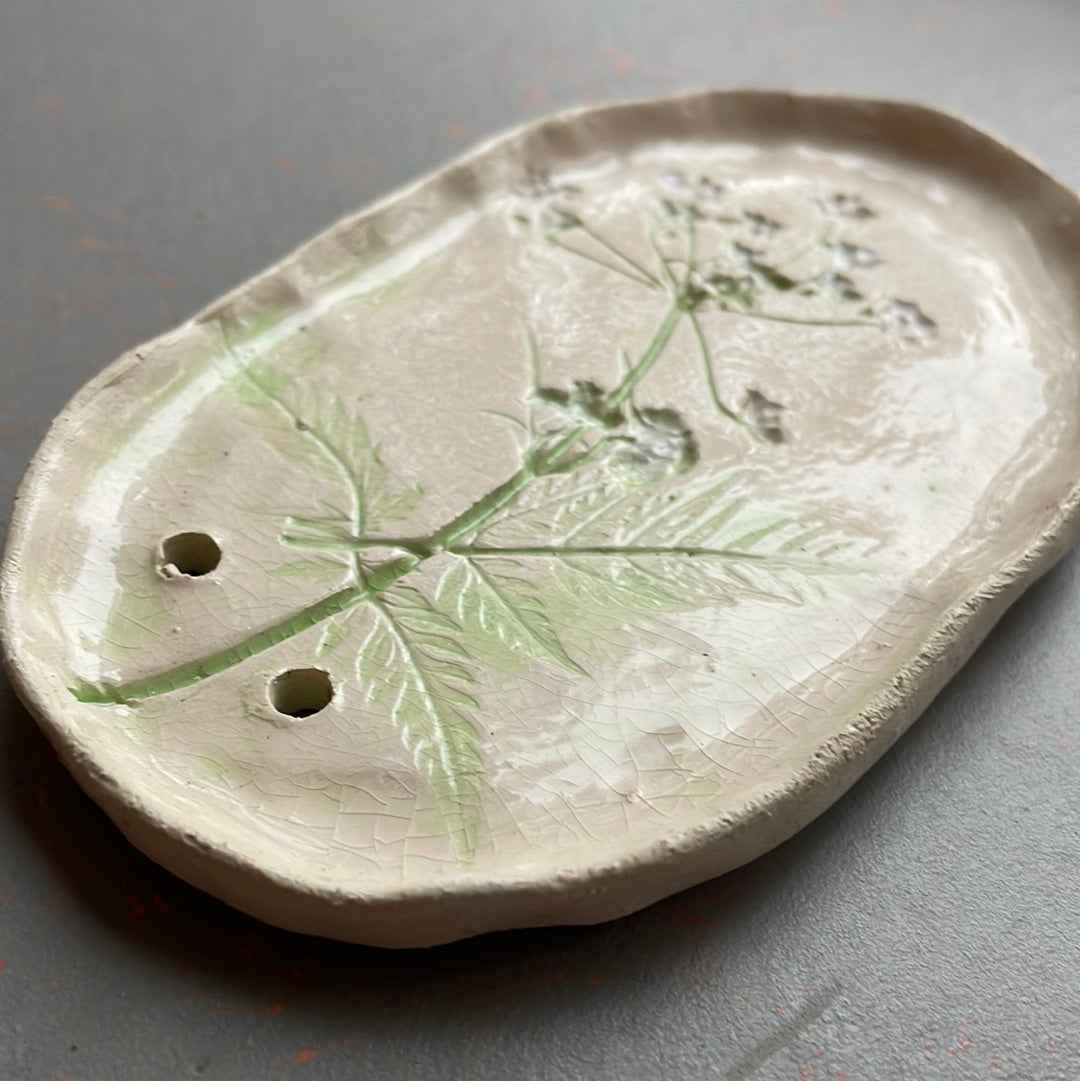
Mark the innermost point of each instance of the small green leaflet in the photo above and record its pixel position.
(336, 439)
(680, 547)
(412, 663)
(504, 613)
(335, 631)
(311, 570)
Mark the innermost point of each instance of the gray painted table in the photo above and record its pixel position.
(928, 926)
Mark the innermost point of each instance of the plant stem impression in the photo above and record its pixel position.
(609, 514)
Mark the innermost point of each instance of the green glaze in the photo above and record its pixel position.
(592, 461)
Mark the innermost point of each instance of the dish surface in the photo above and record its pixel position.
(568, 528)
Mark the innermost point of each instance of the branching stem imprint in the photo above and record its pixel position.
(611, 526)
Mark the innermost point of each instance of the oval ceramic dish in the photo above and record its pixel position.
(568, 528)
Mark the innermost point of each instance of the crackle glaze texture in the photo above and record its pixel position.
(566, 529)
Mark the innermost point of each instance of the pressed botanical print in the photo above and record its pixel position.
(609, 512)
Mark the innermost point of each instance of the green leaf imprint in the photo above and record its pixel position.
(610, 514)
(314, 423)
(310, 570)
(413, 663)
(495, 603)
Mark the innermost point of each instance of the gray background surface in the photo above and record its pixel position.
(152, 155)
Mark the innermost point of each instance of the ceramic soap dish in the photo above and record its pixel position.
(568, 528)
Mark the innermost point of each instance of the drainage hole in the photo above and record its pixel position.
(189, 554)
(300, 692)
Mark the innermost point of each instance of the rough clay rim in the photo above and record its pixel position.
(713, 847)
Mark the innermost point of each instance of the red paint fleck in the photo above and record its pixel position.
(779, 1009)
(3, 964)
(274, 1009)
(687, 914)
(287, 165)
(834, 9)
(306, 1054)
(995, 1066)
(535, 97)
(808, 1073)
(594, 981)
(59, 203)
(842, 1075)
(928, 1047)
(621, 61)
(136, 908)
(159, 903)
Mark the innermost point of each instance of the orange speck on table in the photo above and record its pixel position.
(60, 203)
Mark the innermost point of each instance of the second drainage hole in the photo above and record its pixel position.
(301, 692)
